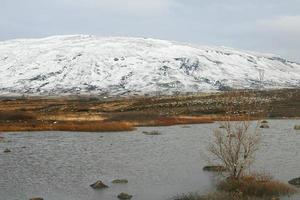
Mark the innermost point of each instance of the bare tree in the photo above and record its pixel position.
(235, 146)
(235, 142)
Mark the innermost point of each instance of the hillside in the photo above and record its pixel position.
(82, 64)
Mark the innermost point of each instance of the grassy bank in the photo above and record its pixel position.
(93, 114)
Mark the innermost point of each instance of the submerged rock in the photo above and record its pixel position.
(295, 181)
(7, 151)
(214, 168)
(222, 126)
(152, 133)
(37, 198)
(124, 196)
(264, 126)
(120, 181)
(98, 185)
(297, 127)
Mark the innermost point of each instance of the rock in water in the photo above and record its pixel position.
(152, 133)
(37, 198)
(216, 168)
(297, 127)
(98, 185)
(124, 196)
(264, 125)
(295, 181)
(7, 151)
(120, 181)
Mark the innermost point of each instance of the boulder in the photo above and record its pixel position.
(264, 126)
(120, 181)
(7, 151)
(295, 181)
(98, 185)
(124, 196)
(214, 168)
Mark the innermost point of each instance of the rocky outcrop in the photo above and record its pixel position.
(295, 181)
(98, 185)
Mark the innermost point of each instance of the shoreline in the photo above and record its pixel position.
(96, 115)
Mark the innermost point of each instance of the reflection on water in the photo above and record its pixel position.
(62, 165)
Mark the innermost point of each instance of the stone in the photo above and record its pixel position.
(7, 151)
(98, 185)
(264, 126)
(120, 181)
(152, 133)
(37, 198)
(297, 127)
(295, 181)
(124, 196)
(214, 168)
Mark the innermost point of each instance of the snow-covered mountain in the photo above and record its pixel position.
(82, 64)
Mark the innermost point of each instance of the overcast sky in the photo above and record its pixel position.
(261, 25)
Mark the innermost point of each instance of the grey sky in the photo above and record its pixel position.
(261, 25)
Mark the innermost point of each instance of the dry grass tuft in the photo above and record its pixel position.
(256, 185)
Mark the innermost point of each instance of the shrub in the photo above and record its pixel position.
(256, 185)
(235, 146)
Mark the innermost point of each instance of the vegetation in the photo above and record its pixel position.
(219, 196)
(256, 185)
(234, 146)
(36, 113)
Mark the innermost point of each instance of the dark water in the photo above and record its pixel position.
(62, 165)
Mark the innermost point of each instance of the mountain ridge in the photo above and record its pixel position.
(84, 64)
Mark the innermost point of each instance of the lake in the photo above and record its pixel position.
(62, 165)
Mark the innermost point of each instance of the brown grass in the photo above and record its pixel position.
(87, 126)
(256, 185)
(36, 113)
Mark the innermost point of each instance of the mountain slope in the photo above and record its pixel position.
(82, 64)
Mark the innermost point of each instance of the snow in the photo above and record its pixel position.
(83, 64)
